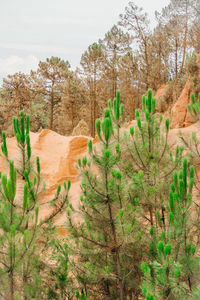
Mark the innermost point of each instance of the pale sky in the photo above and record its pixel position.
(32, 30)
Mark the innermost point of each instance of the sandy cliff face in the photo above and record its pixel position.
(176, 108)
(180, 117)
(58, 155)
(161, 105)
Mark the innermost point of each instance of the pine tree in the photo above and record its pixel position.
(116, 43)
(21, 260)
(174, 271)
(105, 243)
(93, 63)
(72, 100)
(159, 52)
(129, 83)
(173, 266)
(18, 90)
(48, 80)
(137, 23)
(177, 19)
(147, 153)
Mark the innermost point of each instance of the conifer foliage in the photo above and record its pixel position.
(173, 272)
(149, 161)
(106, 239)
(21, 258)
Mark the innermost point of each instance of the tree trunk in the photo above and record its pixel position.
(147, 64)
(11, 285)
(18, 102)
(94, 100)
(176, 59)
(184, 45)
(72, 110)
(92, 112)
(114, 77)
(52, 108)
(159, 65)
(121, 287)
(11, 274)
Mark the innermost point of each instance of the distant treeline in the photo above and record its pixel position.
(131, 57)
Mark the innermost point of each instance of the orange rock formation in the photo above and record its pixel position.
(180, 115)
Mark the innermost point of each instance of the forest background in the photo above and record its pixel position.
(131, 57)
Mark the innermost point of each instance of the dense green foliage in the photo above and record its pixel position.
(174, 271)
(110, 230)
(137, 213)
(22, 259)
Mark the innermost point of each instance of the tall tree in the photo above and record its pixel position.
(18, 90)
(148, 154)
(129, 83)
(178, 18)
(21, 258)
(73, 98)
(137, 23)
(159, 57)
(116, 43)
(92, 63)
(195, 34)
(48, 81)
(104, 201)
